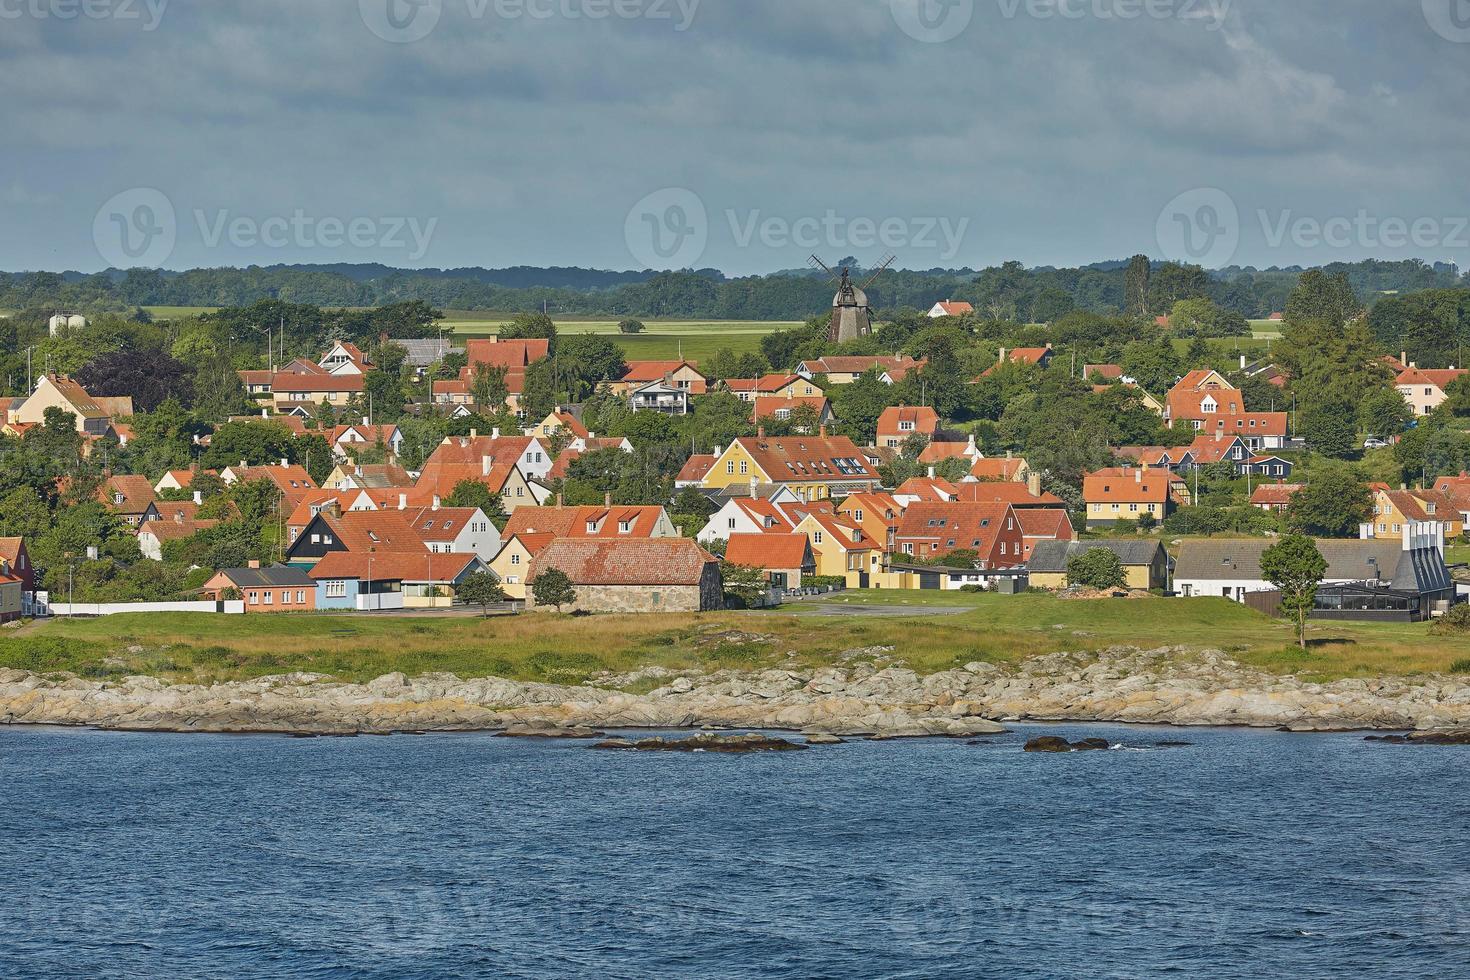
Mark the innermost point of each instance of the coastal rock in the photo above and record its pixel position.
(817, 738)
(705, 742)
(538, 731)
(1053, 743)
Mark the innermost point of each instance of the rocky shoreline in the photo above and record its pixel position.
(863, 697)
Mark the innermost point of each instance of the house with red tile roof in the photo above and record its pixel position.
(950, 308)
(634, 575)
(680, 375)
(694, 470)
(842, 550)
(813, 467)
(179, 479)
(94, 415)
(878, 514)
(1038, 525)
(128, 497)
(1007, 469)
(1108, 372)
(346, 440)
(991, 530)
(844, 370)
(1128, 493)
(1424, 390)
(940, 450)
(926, 489)
(153, 534)
(781, 408)
(608, 520)
(344, 358)
(1177, 458)
(1275, 497)
(900, 423)
(1035, 356)
(14, 553)
(1020, 496)
(785, 558)
(779, 385)
(517, 554)
(1394, 510)
(1208, 450)
(527, 453)
(559, 421)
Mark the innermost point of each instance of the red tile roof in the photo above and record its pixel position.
(311, 383)
(633, 561)
(769, 406)
(955, 308)
(921, 420)
(127, 494)
(1015, 494)
(797, 459)
(587, 522)
(410, 566)
(1275, 494)
(778, 551)
(999, 470)
(513, 355)
(928, 488)
(1047, 524)
(1441, 379)
(696, 469)
(1128, 486)
(971, 526)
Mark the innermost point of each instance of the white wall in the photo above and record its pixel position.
(120, 608)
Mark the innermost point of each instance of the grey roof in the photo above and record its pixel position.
(274, 576)
(1421, 570)
(422, 353)
(1052, 556)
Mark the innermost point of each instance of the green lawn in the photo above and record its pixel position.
(694, 340)
(999, 629)
(1263, 329)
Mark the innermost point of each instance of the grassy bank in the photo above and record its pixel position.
(997, 629)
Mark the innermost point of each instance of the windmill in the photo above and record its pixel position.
(851, 316)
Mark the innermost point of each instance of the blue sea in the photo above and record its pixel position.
(1242, 854)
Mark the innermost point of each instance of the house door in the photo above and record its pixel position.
(929, 581)
(778, 581)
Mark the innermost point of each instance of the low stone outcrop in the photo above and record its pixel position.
(863, 695)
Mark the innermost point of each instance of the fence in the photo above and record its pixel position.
(120, 608)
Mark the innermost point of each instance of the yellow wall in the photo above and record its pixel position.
(720, 476)
(505, 569)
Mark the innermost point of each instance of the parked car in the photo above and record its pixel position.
(1373, 442)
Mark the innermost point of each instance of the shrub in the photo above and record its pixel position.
(1097, 569)
(1461, 666)
(630, 326)
(823, 581)
(1454, 622)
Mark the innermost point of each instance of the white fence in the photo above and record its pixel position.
(120, 608)
(380, 602)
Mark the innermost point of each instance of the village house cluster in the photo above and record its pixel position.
(804, 508)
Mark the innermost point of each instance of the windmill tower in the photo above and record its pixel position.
(851, 316)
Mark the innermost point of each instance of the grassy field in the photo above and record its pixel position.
(695, 340)
(997, 629)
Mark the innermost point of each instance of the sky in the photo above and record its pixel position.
(743, 135)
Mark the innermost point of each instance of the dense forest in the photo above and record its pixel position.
(1007, 292)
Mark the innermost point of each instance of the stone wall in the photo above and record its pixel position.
(633, 599)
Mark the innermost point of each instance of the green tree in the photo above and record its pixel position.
(1098, 568)
(745, 587)
(529, 326)
(1333, 505)
(1385, 414)
(481, 589)
(553, 587)
(1330, 428)
(630, 326)
(1296, 567)
(1136, 286)
(473, 493)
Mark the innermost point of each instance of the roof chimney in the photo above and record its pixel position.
(1138, 476)
(495, 433)
(1002, 355)
(436, 502)
(559, 501)
(474, 433)
(822, 431)
(254, 563)
(607, 499)
(1242, 362)
(486, 464)
(754, 487)
(283, 464)
(198, 497)
(933, 472)
(1404, 357)
(1033, 484)
(760, 432)
(403, 501)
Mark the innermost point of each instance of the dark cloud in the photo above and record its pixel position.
(1059, 139)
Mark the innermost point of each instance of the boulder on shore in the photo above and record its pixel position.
(1424, 738)
(704, 742)
(539, 731)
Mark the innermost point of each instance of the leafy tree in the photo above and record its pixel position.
(1333, 505)
(1328, 298)
(553, 587)
(149, 376)
(1329, 427)
(529, 326)
(23, 514)
(745, 587)
(473, 493)
(482, 589)
(1136, 286)
(488, 387)
(1098, 568)
(1385, 414)
(630, 326)
(1296, 567)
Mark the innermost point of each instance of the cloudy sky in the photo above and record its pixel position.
(741, 134)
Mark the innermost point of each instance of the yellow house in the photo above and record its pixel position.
(843, 551)
(877, 514)
(1393, 510)
(513, 564)
(814, 467)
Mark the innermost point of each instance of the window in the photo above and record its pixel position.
(732, 523)
(336, 590)
(300, 596)
(857, 515)
(285, 597)
(270, 598)
(730, 468)
(744, 467)
(817, 537)
(515, 559)
(255, 598)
